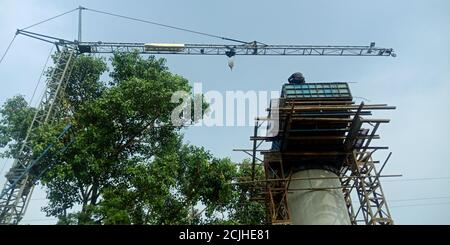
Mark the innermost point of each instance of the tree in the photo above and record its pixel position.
(128, 163)
(14, 123)
(243, 209)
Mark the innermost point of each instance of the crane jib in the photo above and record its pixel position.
(232, 50)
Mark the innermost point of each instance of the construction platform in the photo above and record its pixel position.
(319, 126)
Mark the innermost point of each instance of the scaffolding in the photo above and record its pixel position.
(316, 126)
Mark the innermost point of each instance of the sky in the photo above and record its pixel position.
(417, 81)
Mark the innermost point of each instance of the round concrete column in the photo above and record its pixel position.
(317, 207)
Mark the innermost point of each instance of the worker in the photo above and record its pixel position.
(297, 78)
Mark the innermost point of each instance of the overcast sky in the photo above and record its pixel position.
(416, 81)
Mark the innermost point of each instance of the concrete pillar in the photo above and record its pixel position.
(317, 207)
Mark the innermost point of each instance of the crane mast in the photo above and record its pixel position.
(19, 186)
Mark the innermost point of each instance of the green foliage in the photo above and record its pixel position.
(243, 209)
(128, 163)
(84, 84)
(14, 123)
(170, 189)
(117, 128)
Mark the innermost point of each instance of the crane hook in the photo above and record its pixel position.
(230, 53)
(231, 63)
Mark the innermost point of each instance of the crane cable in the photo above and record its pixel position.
(167, 26)
(7, 49)
(54, 17)
(124, 17)
(40, 77)
(40, 22)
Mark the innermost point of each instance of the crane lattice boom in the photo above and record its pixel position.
(231, 50)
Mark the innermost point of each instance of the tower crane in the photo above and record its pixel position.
(250, 48)
(16, 193)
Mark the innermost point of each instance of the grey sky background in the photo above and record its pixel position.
(417, 81)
